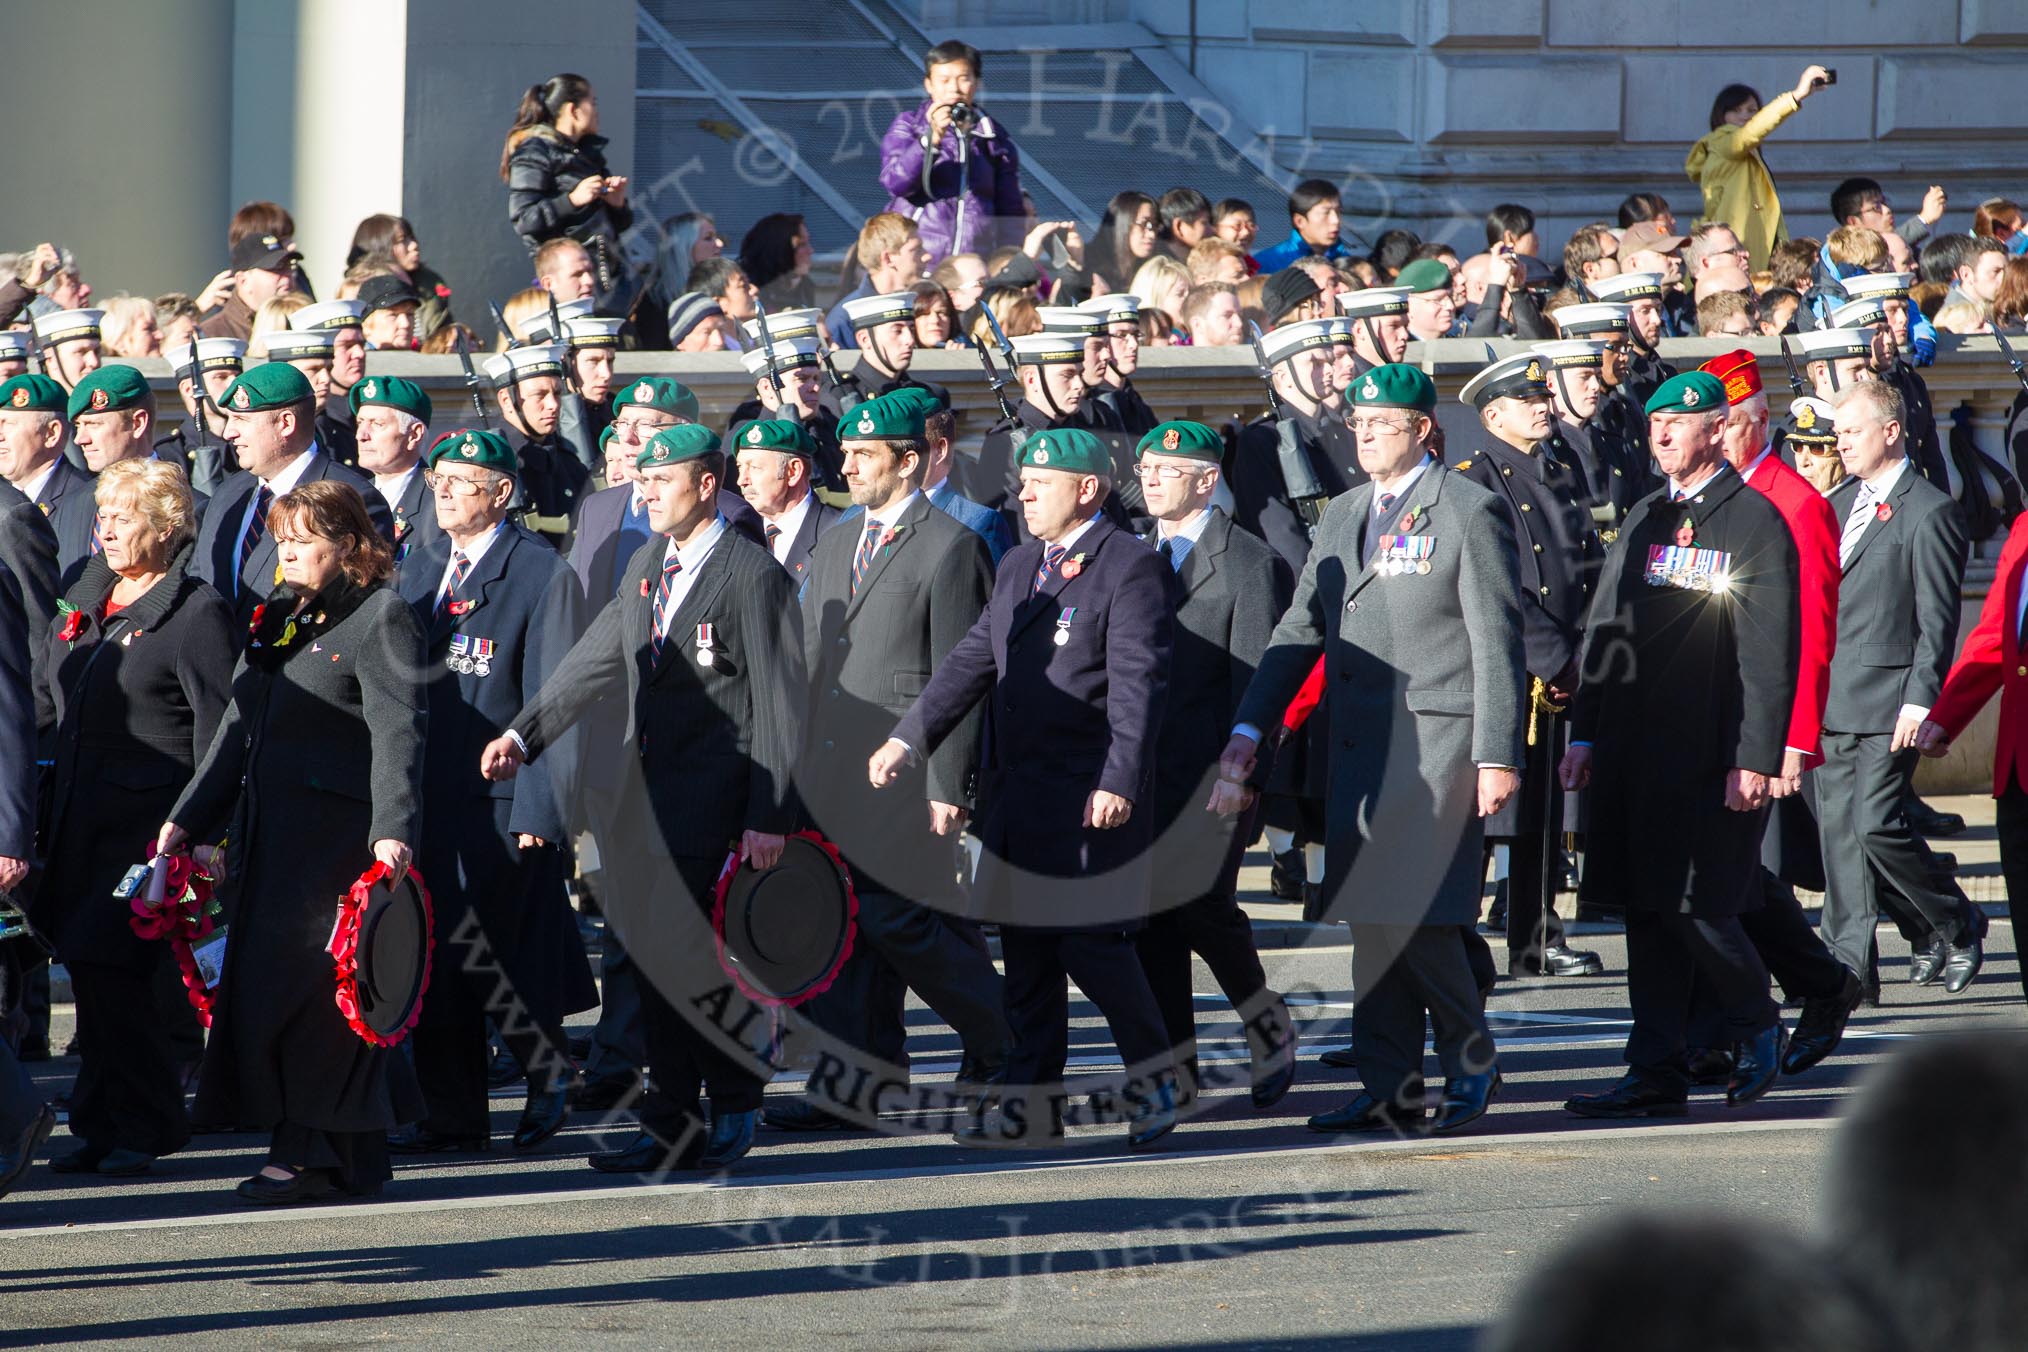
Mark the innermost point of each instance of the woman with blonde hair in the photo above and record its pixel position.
(1161, 282)
(128, 328)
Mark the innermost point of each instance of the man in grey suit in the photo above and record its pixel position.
(777, 460)
(1409, 597)
(1902, 550)
(890, 593)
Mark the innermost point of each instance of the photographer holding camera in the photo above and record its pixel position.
(1727, 167)
(948, 166)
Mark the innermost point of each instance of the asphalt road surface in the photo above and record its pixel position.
(1247, 1231)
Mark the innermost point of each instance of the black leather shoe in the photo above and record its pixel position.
(542, 1116)
(1869, 990)
(1755, 1063)
(504, 1070)
(803, 1115)
(1926, 964)
(1961, 964)
(1496, 915)
(1631, 1097)
(995, 1128)
(82, 1159)
(1313, 903)
(1286, 875)
(1822, 1025)
(731, 1137)
(645, 1154)
(600, 1095)
(20, 1152)
(1945, 865)
(1465, 1101)
(120, 1162)
(1275, 1072)
(1709, 1066)
(1154, 1117)
(305, 1185)
(37, 1049)
(1339, 1058)
(421, 1140)
(1367, 1113)
(1927, 821)
(1557, 960)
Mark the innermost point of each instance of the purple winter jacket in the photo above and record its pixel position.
(995, 183)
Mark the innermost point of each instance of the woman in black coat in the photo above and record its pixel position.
(554, 165)
(326, 726)
(134, 677)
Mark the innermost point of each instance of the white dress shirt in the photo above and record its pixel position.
(787, 525)
(473, 552)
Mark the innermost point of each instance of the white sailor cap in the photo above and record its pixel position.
(867, 311)
(1826, 344)
(1118, 307)
(1812, 421)
(1340, 327)
(536, 328)
(329, 314)
(1374, 301)
(16, 345)
(1878, 285)
(1596, 317)
(1863, 312)
(1572, 354)
(789, 354)
(1288, 340)
(592, 331)
(213, 354)
(517, 364)
(1628, 286)
(299, 344)
(1041, 349)
(1521, 376)
(785, 324)
(63, 326)
(1071, 319)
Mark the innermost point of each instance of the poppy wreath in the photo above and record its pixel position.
(731, 969)
(185, 915)
(344, 951)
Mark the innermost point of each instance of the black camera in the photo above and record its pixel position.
(1830, 76)
(965, 116)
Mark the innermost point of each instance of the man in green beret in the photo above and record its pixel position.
(1432, 307)
(112, 416)
(33, 434)
(1409, 598)
(1229, 588)
(1071, 651)
(704, 644)
(270, 423)
(390, 418)
(1679, 725)
(777, 464)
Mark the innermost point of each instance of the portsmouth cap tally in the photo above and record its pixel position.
(1521, 376)
(1575, 321)
(1118, 307)
(888, 418)
(34, 393)
(109, 388)
(1826, 344)
(517, 364)
(1070, 319)
(1375, 301)
(785, 324)
(391, 392)
(1862, 313)
(1691, 392)
(1180, 436)
(659, 393)
(1424, 274)
(1628, 287)
(475, 446)
(271, 385)
(1288, 340)
(777, 434)
(1572, 354)
(1879, 285)
(537, 327)
(1043, 349)
(213, 354)
(1339, 327)
(592, 331)
(1396, 385)
(329, 314)
(673, 445)
(789, 354)
(1812, 421)
(867, 311)
(299, 344)
(64, 326)
(1070, 449)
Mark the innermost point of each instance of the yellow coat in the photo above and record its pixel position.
(1738, 190)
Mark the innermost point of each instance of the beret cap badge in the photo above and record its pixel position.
(1690, 398)
(372, 389)
(644, 392)
(865, 422)
(1171, 439)
(21, 398)
(1806, 417)
(753, 437)
(1370, 390)
(100, 399)
(241, 399)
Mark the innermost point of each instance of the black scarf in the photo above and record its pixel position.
(274, 642)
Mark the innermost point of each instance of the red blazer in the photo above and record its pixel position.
(1992, 661)
(1815, 528)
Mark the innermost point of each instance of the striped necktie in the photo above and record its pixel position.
(1051, 557)
(98, 538)
(772, 532)
(863, 560)
(256, 531)
(664, 604)
(1856, 524)
(460, 567)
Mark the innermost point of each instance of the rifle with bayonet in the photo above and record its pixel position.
(472, 381)
(1299, 477)
(1796, 385)
(2013, 361)
(783, 408)
(500, 323)
(1009, 415)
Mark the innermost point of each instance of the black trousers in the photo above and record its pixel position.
(1794, 954)
(1532, 923)
(2011, 822)
(619, 1039)
(1405, 979)
(450, 1046)
(357, 1161)
(129, 1090)
(1667, 954)
(1108, 970)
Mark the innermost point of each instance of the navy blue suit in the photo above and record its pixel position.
(415, 522)
(68, 503)
(218, 533)
(820, 518)
(500, 911)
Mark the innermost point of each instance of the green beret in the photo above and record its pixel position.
(391, 392)
(1691, 392)
(1424, 274)
(274, 384)
(31, 391)
(672, 445)
(109, 388)
(777, 434)
(921, 395)
(892, 417)
(475, 446)
(605, 435)
(1071, 449)
(659, 393)
(1396, 385)
(1185, 438)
